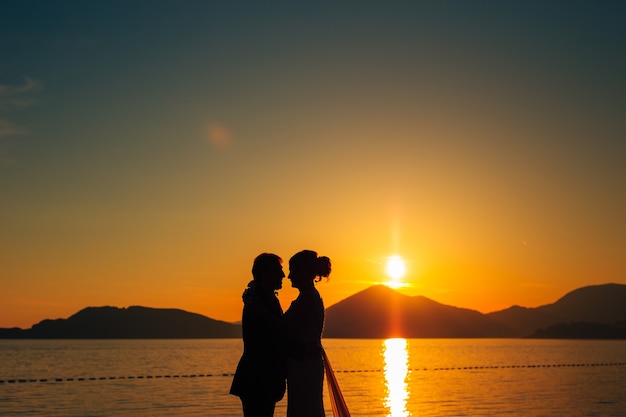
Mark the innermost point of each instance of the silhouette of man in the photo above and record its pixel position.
(261, 373)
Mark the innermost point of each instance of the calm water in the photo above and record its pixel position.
(394, 378)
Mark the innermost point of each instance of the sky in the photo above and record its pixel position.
(149, 150)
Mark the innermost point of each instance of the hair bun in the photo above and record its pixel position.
(323, 266)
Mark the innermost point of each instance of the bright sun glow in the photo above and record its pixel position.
(395, 267)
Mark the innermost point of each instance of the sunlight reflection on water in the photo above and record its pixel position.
(396, 373)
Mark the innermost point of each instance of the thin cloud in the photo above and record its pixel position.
(28, 86)
(14, 98)
(9, 129)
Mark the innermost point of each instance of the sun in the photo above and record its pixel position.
(395, 268)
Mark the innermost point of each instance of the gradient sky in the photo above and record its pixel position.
(149, 150)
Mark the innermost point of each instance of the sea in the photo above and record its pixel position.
(378, 377)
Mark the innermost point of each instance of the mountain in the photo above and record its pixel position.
(602, 304)
(582, 330)
(597, 311)
(380, 312)
(128, 323)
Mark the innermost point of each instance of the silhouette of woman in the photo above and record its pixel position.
(304, 322)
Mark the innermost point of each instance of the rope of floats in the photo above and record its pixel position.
(178, 376)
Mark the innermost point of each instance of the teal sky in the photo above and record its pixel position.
(150, 149)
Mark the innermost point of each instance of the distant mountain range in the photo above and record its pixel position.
(380, 312)
(602, 304)
(597, 311)
(127, 323)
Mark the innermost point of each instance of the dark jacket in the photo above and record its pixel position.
(262, 369)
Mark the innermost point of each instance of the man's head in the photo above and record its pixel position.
(267, 270)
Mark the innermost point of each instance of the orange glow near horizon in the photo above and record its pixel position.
(451, 280)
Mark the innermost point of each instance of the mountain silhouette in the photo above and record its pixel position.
(597, 311)
(128, 323)
(602, 304)
(380, 312)
(581, 330)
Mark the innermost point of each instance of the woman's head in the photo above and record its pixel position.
(305, 267)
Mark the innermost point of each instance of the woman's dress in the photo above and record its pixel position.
(305, 367)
